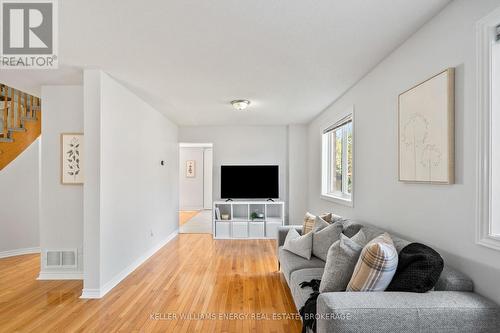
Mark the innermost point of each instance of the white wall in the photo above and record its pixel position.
(297, 173)
(137, 212)
(19, 203)
(208, 172)
(191, 190)
(196, 193)
(61, 206)
(92, 183)
(285, 146)
(440, 216)
(242, 145)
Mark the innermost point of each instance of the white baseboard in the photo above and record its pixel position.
(191, 208)
(99, 293)
(19, 252)
(60, 275)
(91, 293)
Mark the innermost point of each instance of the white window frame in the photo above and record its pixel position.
(485, 29)
(339, 197)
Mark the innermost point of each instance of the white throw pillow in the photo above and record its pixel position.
(299, 245)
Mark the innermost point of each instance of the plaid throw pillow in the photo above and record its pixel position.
(309, 220)
(308, 223)
(376, 265)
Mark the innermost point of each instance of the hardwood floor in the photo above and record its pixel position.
(186, 215)
(192, 274)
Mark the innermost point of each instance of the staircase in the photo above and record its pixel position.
(20, 122)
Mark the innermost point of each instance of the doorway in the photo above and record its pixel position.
(195, 187)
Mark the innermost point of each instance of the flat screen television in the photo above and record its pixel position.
(250, 182)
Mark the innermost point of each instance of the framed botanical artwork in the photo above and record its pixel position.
(426, 130)
(190, 169)
(72, 158)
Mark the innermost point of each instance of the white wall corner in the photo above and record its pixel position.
(91, 293)
(99, 293)
(19, 252)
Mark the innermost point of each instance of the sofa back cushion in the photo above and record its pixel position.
(351, 227)
(371, 232)
(453, 280)
(450, 279)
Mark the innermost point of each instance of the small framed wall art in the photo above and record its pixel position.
(72, 158)
(190, 169)
(427, 131)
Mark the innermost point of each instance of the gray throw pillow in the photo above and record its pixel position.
(297, 244)
(337, 218)
(340, 262)
(324, 235)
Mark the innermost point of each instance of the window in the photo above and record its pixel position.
(488, 131)
(337, 161)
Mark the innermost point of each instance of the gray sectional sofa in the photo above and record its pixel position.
(451, 307)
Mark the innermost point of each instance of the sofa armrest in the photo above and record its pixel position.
(438, 311)
(283, 231)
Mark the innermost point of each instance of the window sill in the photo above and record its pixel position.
(345, 201)
(491, 242)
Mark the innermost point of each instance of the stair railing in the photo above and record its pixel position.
(11, 109)
(17, 107)
(4, 130)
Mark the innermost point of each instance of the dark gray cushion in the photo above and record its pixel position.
(300, 295)
(290, 263)
(419, 268)
(351, 227)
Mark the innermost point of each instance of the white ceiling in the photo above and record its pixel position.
(189, 59)
(30, 81)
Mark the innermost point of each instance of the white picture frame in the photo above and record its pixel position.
(426, 132)
(72, 158)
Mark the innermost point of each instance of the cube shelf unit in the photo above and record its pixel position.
(239, 224)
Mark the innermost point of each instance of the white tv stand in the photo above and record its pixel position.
(239, 223)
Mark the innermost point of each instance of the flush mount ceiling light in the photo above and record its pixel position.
(240, 104)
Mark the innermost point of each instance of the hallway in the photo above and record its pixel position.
(195, 222)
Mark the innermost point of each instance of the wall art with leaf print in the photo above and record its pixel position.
(426, 131)
(72, 158)
(190, 169)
